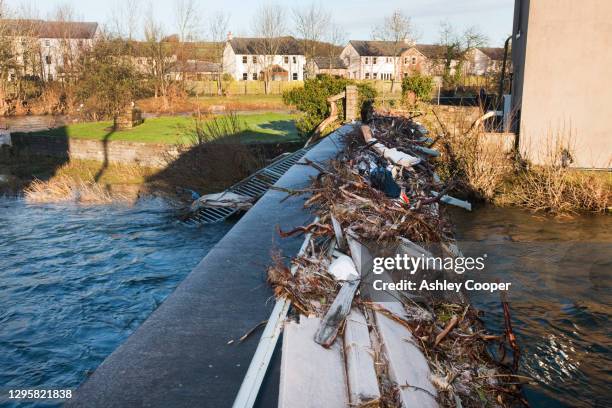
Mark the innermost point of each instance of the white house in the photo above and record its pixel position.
(43, 48)
(385, 60)
(484, 60)
(373, 59)
(246, 59)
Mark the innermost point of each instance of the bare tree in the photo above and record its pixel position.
(186, 18)
(335, 37)
(455, 49)
(218, 25)
(397, 29)
(311, 23)
(269, 26)
(157, 56)
(125, 18)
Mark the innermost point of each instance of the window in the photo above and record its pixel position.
(47, 43)
(48, 59)
(388, 59)
(367, 60)
(254, 59)
(374, 60)
(286, 60)
(413, 60)
(244, 59)
(294, 59)
(405, 60)
(245, 76)
(254, 76)
(405, 75)
(367, 76)
(375, 75)
(295, 76)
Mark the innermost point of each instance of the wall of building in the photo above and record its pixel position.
(562, 60)
(234, 64)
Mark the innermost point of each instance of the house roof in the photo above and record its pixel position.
(329, 63)
(432, 51)
(378, 48)
(495, 53)
(253, 46)
(196, 66)
(50, 29)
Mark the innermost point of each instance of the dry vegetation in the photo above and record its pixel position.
(76, 181)
(486, 170)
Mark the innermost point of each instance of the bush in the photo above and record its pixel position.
(421, 85)
(312, 99)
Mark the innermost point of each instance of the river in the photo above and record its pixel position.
(560, 298)
(76, 281)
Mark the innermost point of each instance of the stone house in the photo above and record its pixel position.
(386, 60)
(246, 60)
(45, 49)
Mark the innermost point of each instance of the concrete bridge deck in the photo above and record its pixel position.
(179, 357)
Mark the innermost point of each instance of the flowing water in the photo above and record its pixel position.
(75, 281)
(560, 298)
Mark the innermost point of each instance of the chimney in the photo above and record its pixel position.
(229, 36)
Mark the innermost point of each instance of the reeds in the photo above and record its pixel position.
(485, 168)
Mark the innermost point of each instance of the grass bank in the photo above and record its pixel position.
(268, 127)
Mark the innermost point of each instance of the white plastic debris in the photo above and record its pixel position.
(342, 268)
(223, 199)
(5, 138)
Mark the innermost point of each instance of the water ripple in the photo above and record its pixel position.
(75, 281)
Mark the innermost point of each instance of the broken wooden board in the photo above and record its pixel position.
(311, 376)
(407, 365)
(339, 309)
(361, 374)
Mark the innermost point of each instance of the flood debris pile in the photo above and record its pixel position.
(346, 344)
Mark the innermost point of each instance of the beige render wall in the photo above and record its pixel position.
(568, 79)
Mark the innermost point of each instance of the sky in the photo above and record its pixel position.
(493, 18)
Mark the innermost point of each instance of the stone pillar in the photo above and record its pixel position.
(351, 103)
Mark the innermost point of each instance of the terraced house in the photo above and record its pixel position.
(274, 59)
(386, 60)
(46, 49)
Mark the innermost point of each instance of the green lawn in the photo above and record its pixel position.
(258, 128)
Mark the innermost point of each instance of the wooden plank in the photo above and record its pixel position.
(339, 309)
(407, 365)
(311, 376)
(361, 374)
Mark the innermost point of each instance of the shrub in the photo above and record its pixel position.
(421, 85)
(312, 99)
